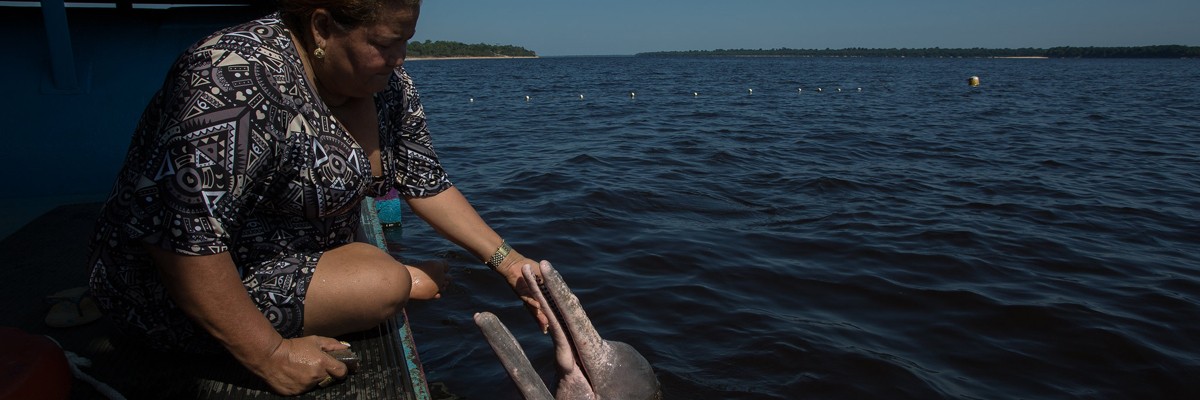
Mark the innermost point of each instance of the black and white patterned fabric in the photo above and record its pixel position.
(237, 154)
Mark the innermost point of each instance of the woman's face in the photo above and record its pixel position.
(359, 61)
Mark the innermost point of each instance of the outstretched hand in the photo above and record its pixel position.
(511, 270)
(301, 364)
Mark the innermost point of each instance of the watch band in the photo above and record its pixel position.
(499, 255)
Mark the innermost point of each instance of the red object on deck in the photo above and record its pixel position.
(32, 367)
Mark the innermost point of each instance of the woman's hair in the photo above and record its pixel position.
(347, 13)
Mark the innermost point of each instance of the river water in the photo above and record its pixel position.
(780, 228)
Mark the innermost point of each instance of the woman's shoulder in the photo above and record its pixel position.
(246, 74)
(242, 65)
(261, 41)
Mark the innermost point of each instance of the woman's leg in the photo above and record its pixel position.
(354, 287)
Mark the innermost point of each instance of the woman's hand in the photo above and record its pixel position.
(209, 290)
(428, 279)
(301, 364)
(511, 270)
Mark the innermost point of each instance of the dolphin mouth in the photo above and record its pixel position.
(575, 339)
(554, 296)
(588, 366)
(548, 302)
(511, 355)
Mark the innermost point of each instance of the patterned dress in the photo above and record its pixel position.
(236, 154)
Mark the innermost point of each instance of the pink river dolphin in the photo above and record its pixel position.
(589, 367)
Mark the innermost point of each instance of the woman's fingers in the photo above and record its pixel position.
(525, 292)
(332, 366)
(329, 344)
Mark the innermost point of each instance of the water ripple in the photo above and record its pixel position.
(1034, 237)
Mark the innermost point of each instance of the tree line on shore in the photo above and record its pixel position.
(1163, 51)
(444, 48)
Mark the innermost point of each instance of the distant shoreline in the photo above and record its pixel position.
(465, 58)
(1158, 51)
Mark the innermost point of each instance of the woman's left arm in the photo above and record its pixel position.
(451, 215)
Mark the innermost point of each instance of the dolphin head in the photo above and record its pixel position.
(589, 367)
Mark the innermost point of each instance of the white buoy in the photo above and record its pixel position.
(581, 97)
(472, 99)
(695, 93)
(819, 90)
(526, 98)
(860, 89)
(839, 89)
(632, 94)
(751, 91)
(799, 90)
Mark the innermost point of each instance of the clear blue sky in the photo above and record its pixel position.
(609, 27)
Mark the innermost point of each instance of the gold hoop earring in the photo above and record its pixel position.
(319, 53)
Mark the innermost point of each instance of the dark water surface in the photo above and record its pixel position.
(1037, 236)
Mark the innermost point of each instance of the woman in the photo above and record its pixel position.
(232, 221)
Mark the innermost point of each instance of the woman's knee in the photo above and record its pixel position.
(393, 292)
(382, 277)
(364, 278)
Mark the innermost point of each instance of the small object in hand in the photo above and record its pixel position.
(348, 357)
(325, 382)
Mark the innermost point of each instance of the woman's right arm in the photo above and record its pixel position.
(207, 288)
